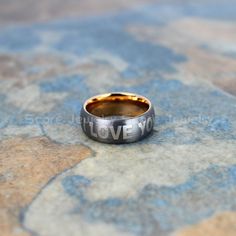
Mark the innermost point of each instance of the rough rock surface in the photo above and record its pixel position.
(181, 180)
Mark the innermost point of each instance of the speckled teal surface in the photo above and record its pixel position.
(185, 171)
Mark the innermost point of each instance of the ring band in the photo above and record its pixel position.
(117, 118)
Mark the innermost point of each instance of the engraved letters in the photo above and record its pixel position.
(121, 131)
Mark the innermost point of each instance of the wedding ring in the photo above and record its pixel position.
(117, 117)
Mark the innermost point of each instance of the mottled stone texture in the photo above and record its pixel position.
(26, 166)
(181, 180)
(222, 224)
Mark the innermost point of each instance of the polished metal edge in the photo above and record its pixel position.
(117, 130)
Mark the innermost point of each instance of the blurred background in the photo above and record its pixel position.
(55, 54)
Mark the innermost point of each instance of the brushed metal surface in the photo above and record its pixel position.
(118, 129)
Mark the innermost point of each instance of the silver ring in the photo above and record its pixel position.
(117, 117)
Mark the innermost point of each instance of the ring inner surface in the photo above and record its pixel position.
(117, 105)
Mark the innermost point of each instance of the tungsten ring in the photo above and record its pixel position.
(117, 118)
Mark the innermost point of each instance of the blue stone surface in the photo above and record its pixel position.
(181, 55)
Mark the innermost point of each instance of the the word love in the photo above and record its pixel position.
(124, 132)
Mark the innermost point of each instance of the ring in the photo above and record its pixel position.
(117, 118)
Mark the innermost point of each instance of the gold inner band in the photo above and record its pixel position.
(117, 104)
